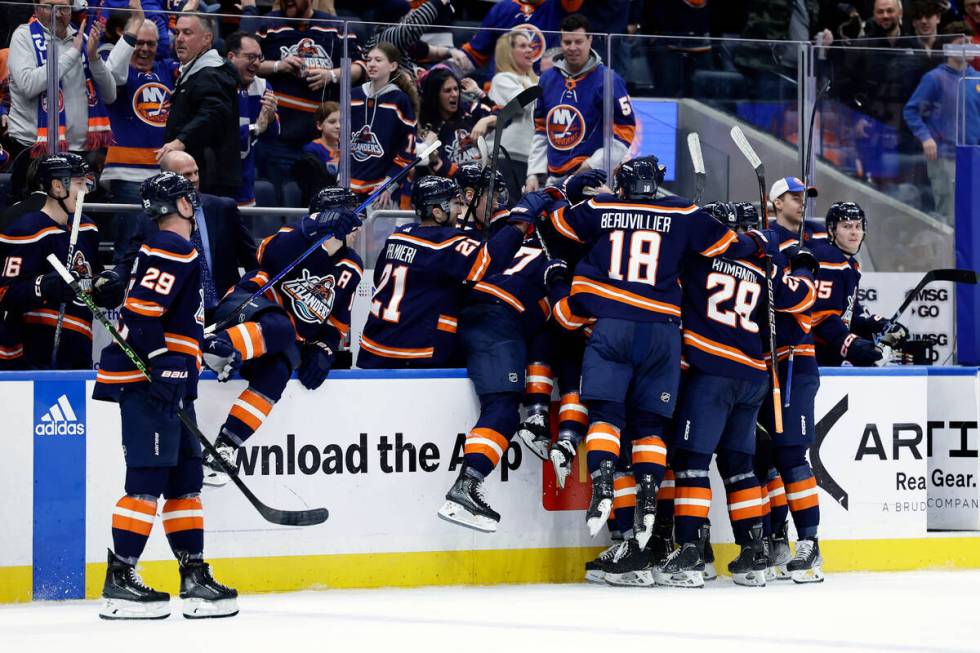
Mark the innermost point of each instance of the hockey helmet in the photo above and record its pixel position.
(472, 175)
(434, 191)
(641, 177)
(332, 198)
(63, 167)
(747, 216)
(845, 212)
(160, 193)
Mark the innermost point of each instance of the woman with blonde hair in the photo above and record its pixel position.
(514, 57)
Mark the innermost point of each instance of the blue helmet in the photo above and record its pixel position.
(64, 167)
(161, 192)
(641, 177)
(433, 191)
(333, 198)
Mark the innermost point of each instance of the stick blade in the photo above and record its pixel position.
(694, 147)
(746, 148)
(429, 149)
(518, 104)
(295, 517)
(955, 275)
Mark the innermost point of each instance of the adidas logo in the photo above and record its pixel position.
(60, 419)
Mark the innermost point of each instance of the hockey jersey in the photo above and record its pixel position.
(27, 330)
(163, 312)
(457, 145)
(249, 106)
(540, 20)
(419, 286)
(318, 293)
(138, 117)
(320, 45)
(330, 157)
(814, 234)
(725, 316)
(635, 252)
(568, 119)
(382, 138)
(793, 330)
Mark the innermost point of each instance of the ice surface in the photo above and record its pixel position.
(907, 611)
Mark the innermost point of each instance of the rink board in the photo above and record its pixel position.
(379, 450)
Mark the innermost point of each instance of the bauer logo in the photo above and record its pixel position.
(59, 408)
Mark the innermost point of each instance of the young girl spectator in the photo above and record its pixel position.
(514, 56)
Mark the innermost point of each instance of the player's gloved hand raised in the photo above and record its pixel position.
(315, 363)
(52, 289)
(800, 258)
(168, 374)
(860, 352)
(108, 289)
(220, 356)
(894, 334)
(335, 222)
(766, 240)
(555, 272)
(531, 206)
(576, 185)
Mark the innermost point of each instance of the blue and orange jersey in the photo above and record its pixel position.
(27, 330)
(249, 107)
(138, 117)
(635, 252)
(382, 138)
(420, 281)
(794, 330)
(535, 18)
(318, 293)
(322, 151)
(320, 44)
(163, 314)
(457, 145)
(724, 312)
(568, 118)
(814, 235)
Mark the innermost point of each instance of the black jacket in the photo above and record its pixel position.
(204, 116)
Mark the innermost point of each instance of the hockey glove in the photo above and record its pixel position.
(766, 240)
(860, 352)
(52, 289)
(556, 271)
(894, 334)
(575, 187)
(802, 258)
(337, 223)
(317, 359)
(531, 206)
(221, 357)
(168, 382)
(108, 289)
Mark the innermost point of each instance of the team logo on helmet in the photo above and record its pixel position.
(311, 52)
(364, 144)
(312, 296)
(151, 104)
(565, 127)
(537, 39)
(464, 149)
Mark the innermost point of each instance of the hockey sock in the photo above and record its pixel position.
(488, 440)
(665, 498)
(573, 418)
(649, 455)
(183, 520)
(801, 490)
(743, 492)
(602, 441)
(766, 517)
(624, 502)
(778, 507)
(132, 521)
(692, 494)
(537, 388)
(267, 379)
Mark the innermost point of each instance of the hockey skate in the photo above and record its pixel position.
(602, 497)
(595, 570)
(632, 567)
(214, 474)
(661, 544)
(535, 433)
(562, 454)
(203, 597)
(127, 597)
(710, 573)
(805, 567)
(684, 567)
(646, 509)
(749, 568)
(779, 553)
(465, 504)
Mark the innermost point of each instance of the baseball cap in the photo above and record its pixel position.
(790, 184)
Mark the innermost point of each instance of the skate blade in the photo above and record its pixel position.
(561, 469)
(709, 573)
(595, 576)
(597, 522)
(456, 514)
(215, 479)
(781, 573)
(812, 575)
(754, 578)
(122, 609)
(689, 579)
(204, 609)
(640, 578)
(538, 447)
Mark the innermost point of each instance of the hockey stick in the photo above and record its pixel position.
(760, 172)
(947, 274)
(281, 517)
(697, 159)
(76, 222)
(424, 154)
(807, 167)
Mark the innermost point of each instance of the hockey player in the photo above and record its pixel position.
(788, 195)
(844, 331)
(473, 180)
(628, 281)
(568, 135)
(421, 277)
(33, 295)
(727, 382)
(162, 320)
(299, 324)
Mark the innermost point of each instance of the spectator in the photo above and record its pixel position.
(85, 82)
(925, 15)
(458, 122)
(160, 19)
(886, 22)
(302, 62)
(931, 115)
(383, 123)
(256, 106)
(568, 119)
(407, 34)
(203, 118)
(138, 115)
(514, 57)
(674, 61)
(321, 157)
(971, 16)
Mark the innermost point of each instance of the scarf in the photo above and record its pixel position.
(99, 132)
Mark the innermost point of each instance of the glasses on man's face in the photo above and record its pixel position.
(146, 44)
(251, 58)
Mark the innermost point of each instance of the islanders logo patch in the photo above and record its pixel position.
(151, 104)
(565, 127)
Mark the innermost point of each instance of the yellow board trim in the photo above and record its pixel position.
(557, 565)
(16, 584)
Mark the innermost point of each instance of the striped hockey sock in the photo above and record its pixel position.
(246, 416)
(778, 507)
(692, 501)
(624, 502)
(573, 418)
(183, 521)
(744, 504)
(804, 503)
(601, 443)
(132, 521)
